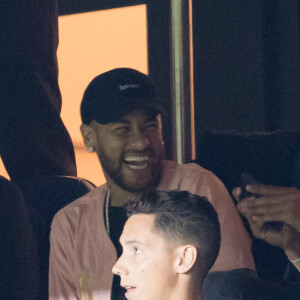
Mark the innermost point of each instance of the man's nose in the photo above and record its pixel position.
(139, 140)
(119, 268)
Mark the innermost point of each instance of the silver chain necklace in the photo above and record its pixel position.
(107, 202)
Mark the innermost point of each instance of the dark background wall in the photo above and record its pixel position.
(228, 65)
(247, 64)
(246, 60)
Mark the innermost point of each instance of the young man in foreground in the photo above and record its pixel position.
(170, 242)
(121, 118)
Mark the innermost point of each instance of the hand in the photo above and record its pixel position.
(274, 204)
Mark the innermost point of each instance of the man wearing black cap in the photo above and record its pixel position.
(121, 119)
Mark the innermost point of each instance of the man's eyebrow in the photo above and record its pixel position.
(148, 119)
(121, 121)
(151, 119)
(130, 242)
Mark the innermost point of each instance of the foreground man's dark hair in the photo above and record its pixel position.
(182, 218)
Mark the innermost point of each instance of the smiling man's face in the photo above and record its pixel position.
(147, 264)
(131, 150)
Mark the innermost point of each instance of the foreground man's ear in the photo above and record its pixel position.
(89, 138)
(186, 258)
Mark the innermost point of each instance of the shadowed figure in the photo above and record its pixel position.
(33, 138)
(19, 266)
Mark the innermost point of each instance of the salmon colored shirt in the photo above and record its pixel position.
(82, 254)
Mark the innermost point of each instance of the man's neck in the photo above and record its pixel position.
(188, 295)
(187, 290)
(118, 196)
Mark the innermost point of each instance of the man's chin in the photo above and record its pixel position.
(137, 188)
(136, 181)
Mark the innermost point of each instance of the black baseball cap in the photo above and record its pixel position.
(114, 93)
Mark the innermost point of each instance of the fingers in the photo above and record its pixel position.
(267, 204)
(273, 217)
(283, 239)
(274, 238)
(267, 190)
(270, 203)
(274, 204)
(248, 207)
(236, 192)
(257, 227)
(271, 190)
(284, 208)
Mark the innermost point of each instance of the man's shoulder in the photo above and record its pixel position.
(84, 204)
(185, 169)
(191, 177)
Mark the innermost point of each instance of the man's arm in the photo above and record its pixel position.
(273, 204)
(61, 275)
(241, 283)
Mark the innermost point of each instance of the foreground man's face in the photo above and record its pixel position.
(146, 266)
(131, 150)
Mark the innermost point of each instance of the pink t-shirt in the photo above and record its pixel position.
(82, 254)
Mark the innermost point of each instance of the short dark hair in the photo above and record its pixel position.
(182, 218)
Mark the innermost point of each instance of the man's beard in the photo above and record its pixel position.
(115, 173)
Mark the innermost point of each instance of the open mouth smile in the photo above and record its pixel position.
(136, 162)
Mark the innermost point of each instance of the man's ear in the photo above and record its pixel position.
(186, 258)
(89, 137)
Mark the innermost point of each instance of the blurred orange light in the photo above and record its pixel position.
(90, 44)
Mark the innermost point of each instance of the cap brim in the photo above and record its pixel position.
(114, 113)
